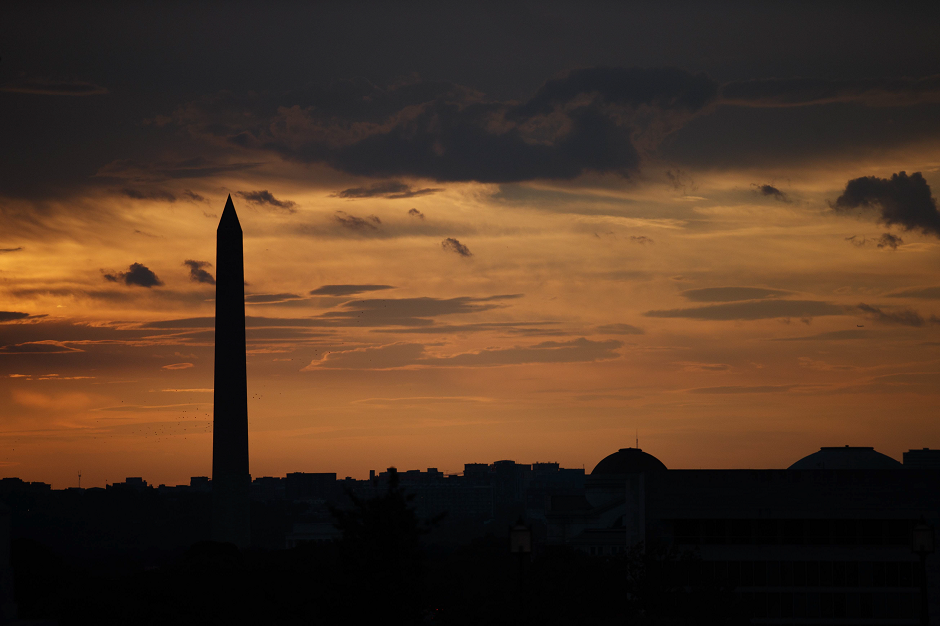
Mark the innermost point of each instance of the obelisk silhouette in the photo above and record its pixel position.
(230, 477)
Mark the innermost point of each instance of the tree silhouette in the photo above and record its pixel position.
(381, 554)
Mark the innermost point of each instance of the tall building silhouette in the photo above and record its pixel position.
(231, 480)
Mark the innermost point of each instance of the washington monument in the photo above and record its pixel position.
(230, 476)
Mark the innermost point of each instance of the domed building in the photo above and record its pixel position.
(846, 458)
(628, 461)
(606, 482)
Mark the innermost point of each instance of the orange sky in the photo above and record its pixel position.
(543, 318)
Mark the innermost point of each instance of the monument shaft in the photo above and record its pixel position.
(230, 474)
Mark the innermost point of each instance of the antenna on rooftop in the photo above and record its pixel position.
(637, 438)
(79, 479)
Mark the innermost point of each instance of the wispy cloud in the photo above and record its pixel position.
(399, 355)
(754, 310)
(178, 366)
(39, 347)
(390, 189)
(902, 317)
(731, 294)
(926, 293)
(619, 329)
(347, 290)
(739, 389)
(271, 298)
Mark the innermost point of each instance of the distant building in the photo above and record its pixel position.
(310, 486)
(269, 488)
(15, 485)
(131, 482)
(827, 541)
(922, 459)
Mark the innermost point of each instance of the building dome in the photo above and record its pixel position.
(845, 458)
(628, 461)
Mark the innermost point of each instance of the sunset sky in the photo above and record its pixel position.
(472, 232)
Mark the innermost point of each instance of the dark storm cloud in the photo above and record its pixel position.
(46, 87)
(903, 200)
(266, 198)
(594, 119)
(5, 250)
(731, 294)
(734, 137)
(597, 119)
(9, 316)
(904, 317)
(619, 329)
(663, 88)
(754, 310)
(159, 56)
(357, 224)
(415, 213)
(453, 245)
(160, 171)
(449, 141)
(926, 293)
(391, 189)
(347, 290)
(772, 192)
(136, 274)
(161, 195)
(197, 272)
(789, 92)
